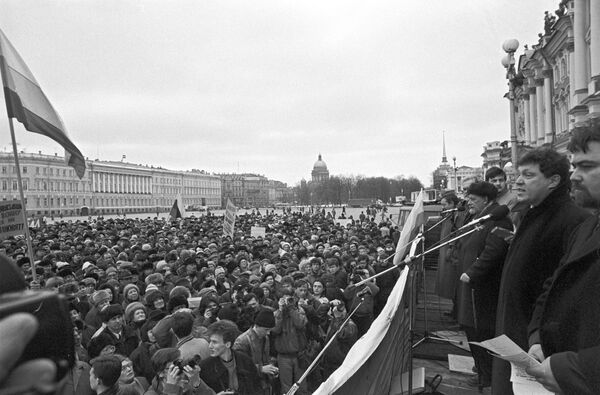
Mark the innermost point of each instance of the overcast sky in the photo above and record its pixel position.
(265, 86)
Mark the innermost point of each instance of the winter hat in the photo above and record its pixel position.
(151, 288)
(265, 318)
(153, 296)
(177, 301)
(100, 296)
(180, 290)
(131, 309)
(128, 287)
(229, 312)
(111, 311)
(87, 265)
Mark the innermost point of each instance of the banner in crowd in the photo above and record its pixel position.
(258, 231)
(11, 219)
(229, 220)
(177, 211)
(410, 229)
(375, 360)
(26, 101)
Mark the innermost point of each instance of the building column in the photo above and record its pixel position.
(594, 47)
(581, 68)
(526, 113)
(548, 105)
(533, 117)
(539, 93)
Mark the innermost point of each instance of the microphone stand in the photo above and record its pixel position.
(296, 385)
(410, 259)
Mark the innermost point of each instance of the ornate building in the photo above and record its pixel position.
(320, 172)
(52, 188)
(557, 81)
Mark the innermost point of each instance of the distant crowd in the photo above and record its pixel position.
(175, 307)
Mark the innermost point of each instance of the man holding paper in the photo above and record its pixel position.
(564, 333)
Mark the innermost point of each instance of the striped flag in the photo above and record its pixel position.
(26, 101)
(410, 228)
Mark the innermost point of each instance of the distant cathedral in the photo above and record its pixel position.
(320, 172)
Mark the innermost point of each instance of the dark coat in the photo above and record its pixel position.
(565, 321)
(214, 374)
(447, 273)
(534, 253)
(481, 257)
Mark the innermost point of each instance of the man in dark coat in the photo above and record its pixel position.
(481, 258)
(564, 327)
(539, 243)
(227, 369)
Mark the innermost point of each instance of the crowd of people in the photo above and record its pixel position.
(532, 275)
(175, 307)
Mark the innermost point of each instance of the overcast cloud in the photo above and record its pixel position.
(265, 86)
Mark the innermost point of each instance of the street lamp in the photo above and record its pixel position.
(508, 61)
(455, 174)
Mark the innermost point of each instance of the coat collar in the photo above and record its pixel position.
(587, 240)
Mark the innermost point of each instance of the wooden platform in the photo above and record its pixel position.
(432, 315)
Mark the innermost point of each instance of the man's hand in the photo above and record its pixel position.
(536, 352)
(173, 374)
(270, 370)
(465, 278)
(543, 374)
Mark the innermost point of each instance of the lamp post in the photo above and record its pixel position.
(455, 174)
(508, 61)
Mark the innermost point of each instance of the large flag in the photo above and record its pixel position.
(410, 229)
(26, 101)
(177, 211)
(374, 361)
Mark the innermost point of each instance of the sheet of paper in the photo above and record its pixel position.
(460, 363)
(523, 384)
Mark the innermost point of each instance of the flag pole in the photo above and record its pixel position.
(22, 195)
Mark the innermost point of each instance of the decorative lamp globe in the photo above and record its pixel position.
(510, 46)
(506, 61)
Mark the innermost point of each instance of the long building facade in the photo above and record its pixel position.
(557, 84)
(52, 188)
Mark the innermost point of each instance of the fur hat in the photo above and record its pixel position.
(111, 311)
(265, 318)
(131, 309)
(99, 296)
(128, 287)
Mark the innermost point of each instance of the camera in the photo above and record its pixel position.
(54, 337)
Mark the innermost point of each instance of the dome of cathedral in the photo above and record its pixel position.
(319, 164)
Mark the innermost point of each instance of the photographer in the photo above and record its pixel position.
(335, 354)
(290, 339)
(174, 378)
(364, 316)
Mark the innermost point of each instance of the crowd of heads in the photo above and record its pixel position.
(125, 276)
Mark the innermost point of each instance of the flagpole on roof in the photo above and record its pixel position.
(22, 196)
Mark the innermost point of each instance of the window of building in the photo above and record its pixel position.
(45, 202)
(24, 169)
(51, 171)
(51, 202)
(25, 184)
(44, 170)
(37, 170)
(4, 185)
(37, 202)
(15, 185)
(44, 186)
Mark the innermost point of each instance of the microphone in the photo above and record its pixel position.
(459, 208)
(496, 214)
